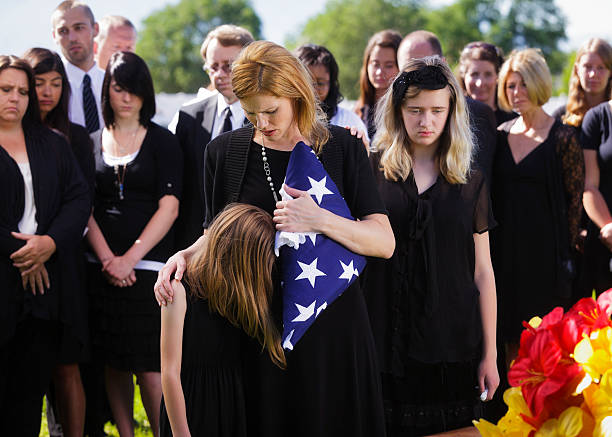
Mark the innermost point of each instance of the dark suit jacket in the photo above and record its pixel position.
(482, 124)
(194, 130)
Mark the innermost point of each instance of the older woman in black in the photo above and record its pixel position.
(538, 179)
(331, 385)
(53, 91)
(44, 207)
(138, 184)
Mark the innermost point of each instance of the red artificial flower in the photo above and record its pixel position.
(541, 370)
(604, 301)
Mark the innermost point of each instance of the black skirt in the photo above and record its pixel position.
(125, 322)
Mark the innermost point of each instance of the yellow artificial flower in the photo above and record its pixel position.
(594, 353)
(512, 424)
(535, 322)
(604, 428)
(487, 429)
(569, 424)
(599, 398)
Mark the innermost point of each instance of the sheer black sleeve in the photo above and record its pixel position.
(572, 167)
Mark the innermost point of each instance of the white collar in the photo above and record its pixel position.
(75, 74)
(235, 107)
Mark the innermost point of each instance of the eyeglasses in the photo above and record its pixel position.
(216, 68)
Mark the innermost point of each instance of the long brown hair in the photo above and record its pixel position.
(264, 67)
(43, 61)
(233, 271)
(367, 93)
(576, 102)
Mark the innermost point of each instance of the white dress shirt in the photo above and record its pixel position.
(237, 116)
(75, 77)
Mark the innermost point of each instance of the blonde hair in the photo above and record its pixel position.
(233, 271)
(532, 67)
(228, 35)
(576, 102)
(264, 67)
(456, 144)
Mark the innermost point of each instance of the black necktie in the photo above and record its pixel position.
(92, 122)
(227, 123)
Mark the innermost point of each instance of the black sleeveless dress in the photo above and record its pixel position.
(211, 375)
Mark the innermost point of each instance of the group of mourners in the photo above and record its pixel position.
(134, 250)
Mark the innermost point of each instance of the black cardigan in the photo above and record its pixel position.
(225, 163)
(63, 206)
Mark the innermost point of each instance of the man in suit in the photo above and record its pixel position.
(201, 120)
(74, 30)
(421, 43)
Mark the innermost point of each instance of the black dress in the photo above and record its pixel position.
(423, 303)
(597, 135)
(211, 375)
(126, 321)
(332, 385)
(525, 247)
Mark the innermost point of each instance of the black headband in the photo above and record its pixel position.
(427, 78)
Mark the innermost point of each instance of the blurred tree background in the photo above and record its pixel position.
(171, 38)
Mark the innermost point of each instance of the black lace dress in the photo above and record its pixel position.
(535, 225)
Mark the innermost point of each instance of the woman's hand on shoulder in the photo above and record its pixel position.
(173, 269)
(359, 133)
(300, 214)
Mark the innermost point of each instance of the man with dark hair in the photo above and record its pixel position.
(203, 119)
(74, 29)
(421, 43)
(117, 34)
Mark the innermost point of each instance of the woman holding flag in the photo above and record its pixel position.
(331, 384)
(432, 305)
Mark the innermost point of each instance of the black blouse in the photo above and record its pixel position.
(155, 172)
(423, 302)
(62, 209)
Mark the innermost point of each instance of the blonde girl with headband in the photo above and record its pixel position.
(432, 305)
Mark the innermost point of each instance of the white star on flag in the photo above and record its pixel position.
(287, 343)
(305, 312)
(310, 272)
(348, 272)
(321, 308)
(318, 188)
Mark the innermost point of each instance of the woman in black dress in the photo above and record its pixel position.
(432, 305)
(53, 91)
(538, 179)
(378, 70)
(200, 373)
(596, 139)
(44, 206)
(138, 185)
(331, 385)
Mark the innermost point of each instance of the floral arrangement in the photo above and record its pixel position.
(561, 381)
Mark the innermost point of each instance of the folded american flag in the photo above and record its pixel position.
(315, 270)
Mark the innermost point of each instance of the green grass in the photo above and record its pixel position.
(142, 427)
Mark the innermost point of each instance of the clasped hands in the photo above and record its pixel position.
(119, 271)
(30, 260)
